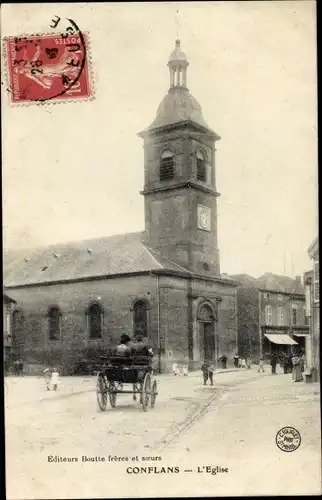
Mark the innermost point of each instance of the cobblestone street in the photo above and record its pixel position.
(232, 424)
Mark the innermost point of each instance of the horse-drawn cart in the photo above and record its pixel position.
(120, 370)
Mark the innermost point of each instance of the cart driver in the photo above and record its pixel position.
(139, 347)
(123, 349)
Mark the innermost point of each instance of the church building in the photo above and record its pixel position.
(74, 300)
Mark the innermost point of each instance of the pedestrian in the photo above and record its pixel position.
(261, 365)
(47, 377)
(236, 362)
(273, 363)
(243, 363)
(54, 379)
(303, 363)
(20, 367)
(288, 363)
(249, 362)
(296, 373)
(16, 367)
(283, 362)
(175, 369)
(207, 371)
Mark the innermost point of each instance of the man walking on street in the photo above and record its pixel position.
(20, 367)
(207, 371)
(274, 363)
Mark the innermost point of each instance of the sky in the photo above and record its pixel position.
(74, 171)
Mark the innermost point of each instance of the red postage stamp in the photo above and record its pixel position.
(51, 67)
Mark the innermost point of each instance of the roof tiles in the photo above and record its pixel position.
(119, 254)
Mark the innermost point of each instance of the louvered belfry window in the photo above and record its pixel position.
(201, 166)
(166, 165)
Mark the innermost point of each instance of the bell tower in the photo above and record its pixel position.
(180, 178)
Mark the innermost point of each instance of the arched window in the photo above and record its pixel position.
(95, 321)
(166, 165)
(17, 326)
(140, 318)
(201, 166)
(54, 323)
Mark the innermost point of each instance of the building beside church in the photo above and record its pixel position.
(76, 299)
(312, 286)
(8, 306)
(271, 314)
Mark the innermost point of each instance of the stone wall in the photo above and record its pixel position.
(116, 297)
(172, 318)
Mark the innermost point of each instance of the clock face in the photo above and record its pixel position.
(204, 218)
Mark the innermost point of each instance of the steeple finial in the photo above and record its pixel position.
(177, 23)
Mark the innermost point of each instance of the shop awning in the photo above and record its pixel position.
(280, 339)
(301, 334)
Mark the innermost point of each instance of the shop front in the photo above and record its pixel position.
(277, 341)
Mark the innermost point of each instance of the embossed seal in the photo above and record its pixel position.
(288, 439)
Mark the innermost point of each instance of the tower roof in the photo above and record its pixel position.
(178, 105)
(177, 55)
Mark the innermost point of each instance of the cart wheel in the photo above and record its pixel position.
(112, 394)
(101, 392)
(154, 393)
(146, 391)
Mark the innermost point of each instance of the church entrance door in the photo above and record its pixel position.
(208, 340)
(206, 333)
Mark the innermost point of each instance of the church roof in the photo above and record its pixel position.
(112, 255)
(7, 299)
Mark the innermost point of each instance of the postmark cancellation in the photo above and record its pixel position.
(54, 67)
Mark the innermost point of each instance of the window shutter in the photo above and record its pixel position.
(166, 169)
(201, 169)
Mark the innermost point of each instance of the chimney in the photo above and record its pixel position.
(298, 284)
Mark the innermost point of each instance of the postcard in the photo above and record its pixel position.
(161, 250)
